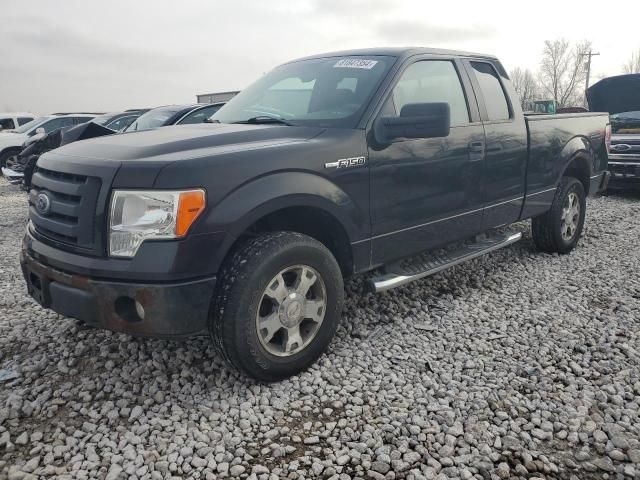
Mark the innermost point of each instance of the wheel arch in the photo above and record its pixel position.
(304, 203)
(12, 148)
(578, 157)
(579, 167)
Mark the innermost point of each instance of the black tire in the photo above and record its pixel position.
(6, 154)
(239, 294)
(547, 229)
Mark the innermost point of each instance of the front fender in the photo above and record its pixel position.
(10, 148)
(262, 196)
(244, 206)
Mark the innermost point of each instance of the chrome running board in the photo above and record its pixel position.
(423, 265)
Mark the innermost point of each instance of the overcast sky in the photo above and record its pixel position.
(103, 56)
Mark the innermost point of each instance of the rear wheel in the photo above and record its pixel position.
(277, 305)
(559, 229)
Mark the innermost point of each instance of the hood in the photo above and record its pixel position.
(168, 144)
(12, 139)
(615, 94)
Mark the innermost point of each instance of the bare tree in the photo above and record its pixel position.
(633, 64)
(562, 72)
(525, 84)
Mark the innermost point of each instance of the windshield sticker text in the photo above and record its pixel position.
(355, 63)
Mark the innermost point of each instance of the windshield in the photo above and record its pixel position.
(329, 92)
(625, 123)
(154, 118)
(29, 125)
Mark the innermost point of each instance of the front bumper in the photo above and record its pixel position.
(148, 309)
(12, 175)
(624, 172)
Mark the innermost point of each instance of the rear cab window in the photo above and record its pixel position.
(495, 98)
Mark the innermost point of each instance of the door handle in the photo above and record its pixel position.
(476, 147)
(476, 151)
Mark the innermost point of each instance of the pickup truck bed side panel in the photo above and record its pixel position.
(554, 142)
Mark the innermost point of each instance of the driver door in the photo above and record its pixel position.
(426, 192)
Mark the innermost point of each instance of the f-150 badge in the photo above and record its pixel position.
(347, 162)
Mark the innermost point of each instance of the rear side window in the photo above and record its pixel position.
(494, 98)
(23, 120)
(6, 123)
(430, 81)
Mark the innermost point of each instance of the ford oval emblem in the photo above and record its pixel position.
(43, 203)
(621, 147)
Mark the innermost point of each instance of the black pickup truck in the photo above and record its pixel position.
(326, 167)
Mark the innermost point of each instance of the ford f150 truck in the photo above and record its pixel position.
(326, 167)
(620, 96)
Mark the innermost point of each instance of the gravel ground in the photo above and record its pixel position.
(516, 365)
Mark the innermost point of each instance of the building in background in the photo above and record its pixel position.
(216, 97)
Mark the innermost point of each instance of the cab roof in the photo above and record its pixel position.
(400, 52)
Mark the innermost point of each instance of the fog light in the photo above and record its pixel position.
(129, 309)
(140, 310)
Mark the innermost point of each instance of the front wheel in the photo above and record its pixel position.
(277, 305)
(559, 229)
(10, 153)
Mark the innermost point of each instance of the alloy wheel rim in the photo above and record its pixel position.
(570, 217)
(291, 310)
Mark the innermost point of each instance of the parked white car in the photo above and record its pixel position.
(9, 121)
(11, 140)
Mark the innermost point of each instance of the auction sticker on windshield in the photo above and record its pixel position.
(355, 63)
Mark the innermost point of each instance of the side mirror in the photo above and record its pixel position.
(38, 132)
(416, 120)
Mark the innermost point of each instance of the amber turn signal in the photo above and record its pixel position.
(190, 206)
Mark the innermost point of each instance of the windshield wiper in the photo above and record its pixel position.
(263, 119)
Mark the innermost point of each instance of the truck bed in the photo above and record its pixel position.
(551, 139)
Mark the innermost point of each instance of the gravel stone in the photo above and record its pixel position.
(380, 467)
(600, 437)
(22, 439)
(237, 470)
(512, 365)
(616, 455)
(503, 470)
(634, 456)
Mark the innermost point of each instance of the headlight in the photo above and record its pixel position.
(137, 216)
